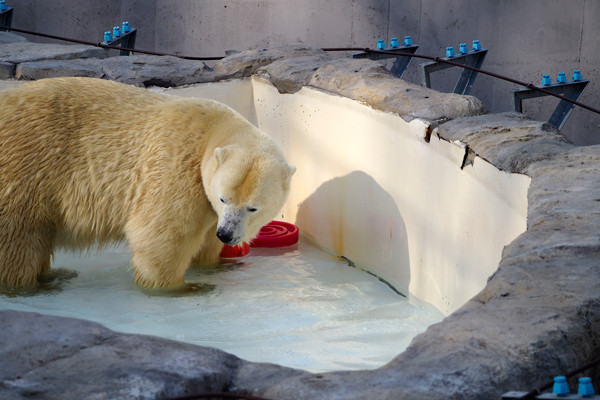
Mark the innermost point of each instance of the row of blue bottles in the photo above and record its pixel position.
(116, 33)
(463, 49)
(561, 388)
(394, 43)
(562, 78)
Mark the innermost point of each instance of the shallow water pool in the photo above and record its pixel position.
(295, 306)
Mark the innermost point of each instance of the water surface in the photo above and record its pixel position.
(295, 306)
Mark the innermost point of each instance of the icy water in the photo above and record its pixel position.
(296, 306)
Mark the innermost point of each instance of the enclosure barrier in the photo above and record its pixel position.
(467, 78)
(380, 52)
(449, 60)
(124, 37)
(560, 390)
(572, 90)
(401, 63)
(560, 387)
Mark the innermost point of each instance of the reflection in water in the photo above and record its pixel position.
(49, 282)
(294, 306)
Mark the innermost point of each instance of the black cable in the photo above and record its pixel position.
(107, 46)
(332, 49)
(478, 70)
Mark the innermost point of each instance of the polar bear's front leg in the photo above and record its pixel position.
(25, 252)
(155, 270)
(160, 257)
(210, 248)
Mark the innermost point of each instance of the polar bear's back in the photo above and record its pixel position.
(78, 152)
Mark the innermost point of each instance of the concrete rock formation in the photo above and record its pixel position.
(538, 316)
(371, 83)
(138, 70)
(15, 50)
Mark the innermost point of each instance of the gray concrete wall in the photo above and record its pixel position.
(526, 38)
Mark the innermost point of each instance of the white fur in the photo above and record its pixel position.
(87, 161)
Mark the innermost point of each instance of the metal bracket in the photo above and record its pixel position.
(6, 17)
(571, 90)
(402, 59)
(467, 77)
(125, 39)
(546, 396)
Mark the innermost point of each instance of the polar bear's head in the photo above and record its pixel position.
(247, 189)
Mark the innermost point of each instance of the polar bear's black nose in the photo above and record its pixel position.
(225, 236)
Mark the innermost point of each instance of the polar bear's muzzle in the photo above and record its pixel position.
(230, 228)
(225, 236)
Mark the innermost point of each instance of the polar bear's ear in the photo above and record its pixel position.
(220, 155)
(291, 170)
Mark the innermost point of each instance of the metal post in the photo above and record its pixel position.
(547, 396)
(128, 41)
(6, 17)
(125, 38)
(572, 90)
(402, 59)
(467, 78)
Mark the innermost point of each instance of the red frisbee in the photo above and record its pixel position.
(239, 250)
(276, 234)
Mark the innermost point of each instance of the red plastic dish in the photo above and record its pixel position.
(276, 234)
(238, 250)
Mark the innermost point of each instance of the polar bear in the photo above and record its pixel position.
(87, 162)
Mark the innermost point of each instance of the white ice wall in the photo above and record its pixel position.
(370, 188)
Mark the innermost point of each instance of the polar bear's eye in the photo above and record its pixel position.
(223, 200)
(252, 209)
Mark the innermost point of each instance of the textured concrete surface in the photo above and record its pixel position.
(9, 37)
(20, 52)
(139, 70)
(84, 353)
(371, 83)
(538, 316)
(15, 49)
(288, 67)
